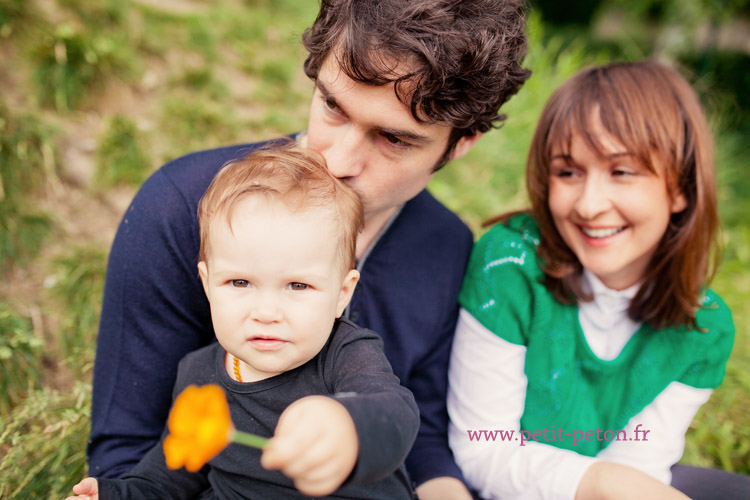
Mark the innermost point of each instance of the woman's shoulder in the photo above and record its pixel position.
(520, 228)
(504, 279)
(508, 247)
(710, 345)
(714, 313)
(715, 331)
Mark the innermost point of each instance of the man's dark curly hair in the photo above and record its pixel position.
(465, 55)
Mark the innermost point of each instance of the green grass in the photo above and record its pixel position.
(192, 123)
(99, 13)
(43, 444)
(21, 353)
(78, 287)
(121, 158)
(73, 60)
(27, 160)
(23, 232)
(12, 13)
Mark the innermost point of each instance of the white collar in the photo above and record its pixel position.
(605, 321)
(609, 300)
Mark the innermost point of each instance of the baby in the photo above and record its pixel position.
(278, 235)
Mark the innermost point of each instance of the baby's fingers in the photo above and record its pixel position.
(87, 489)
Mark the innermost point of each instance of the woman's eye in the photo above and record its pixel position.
(240, 283)
(622, 172)
(563, 172)
(298, 286)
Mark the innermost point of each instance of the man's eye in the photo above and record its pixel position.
(298, 286)
(330, 103)
(240, 283)
(395, 140)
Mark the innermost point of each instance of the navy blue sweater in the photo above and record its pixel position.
(155, 312)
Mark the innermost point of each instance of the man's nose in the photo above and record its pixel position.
(346, 157)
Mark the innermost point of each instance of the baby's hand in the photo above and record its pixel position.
(315, 444)
(88, 489)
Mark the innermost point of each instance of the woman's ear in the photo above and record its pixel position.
(679, 203)
(347, 290)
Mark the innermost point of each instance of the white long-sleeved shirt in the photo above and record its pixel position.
(488, 389)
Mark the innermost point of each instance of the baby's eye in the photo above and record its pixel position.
(297, 286)
(240, 283)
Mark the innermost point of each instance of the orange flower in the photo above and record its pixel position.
(200, 426)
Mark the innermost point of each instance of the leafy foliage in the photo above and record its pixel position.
(20, 358)
(78, 287)
(121, 159)
(43, 442)
(71, 61)
(27, 158)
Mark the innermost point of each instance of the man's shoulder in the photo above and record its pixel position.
(429, 229)
(432, 214)
(193, 172)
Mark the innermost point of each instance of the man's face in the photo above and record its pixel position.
(371, 141)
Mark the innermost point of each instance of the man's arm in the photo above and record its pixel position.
(431, 456)
(153, 313)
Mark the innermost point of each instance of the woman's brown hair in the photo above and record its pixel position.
(654, 113)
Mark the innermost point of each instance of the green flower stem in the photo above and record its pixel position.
(249, 439)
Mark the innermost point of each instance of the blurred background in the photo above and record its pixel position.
(97, 94)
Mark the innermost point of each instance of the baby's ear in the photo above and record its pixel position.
(203, 273)
(347, 290)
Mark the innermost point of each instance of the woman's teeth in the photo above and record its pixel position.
(601, 233)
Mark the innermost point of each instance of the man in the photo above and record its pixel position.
(401, 87)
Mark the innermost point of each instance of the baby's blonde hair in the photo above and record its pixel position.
(292, 175)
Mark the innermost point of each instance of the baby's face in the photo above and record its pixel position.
(275, 284)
